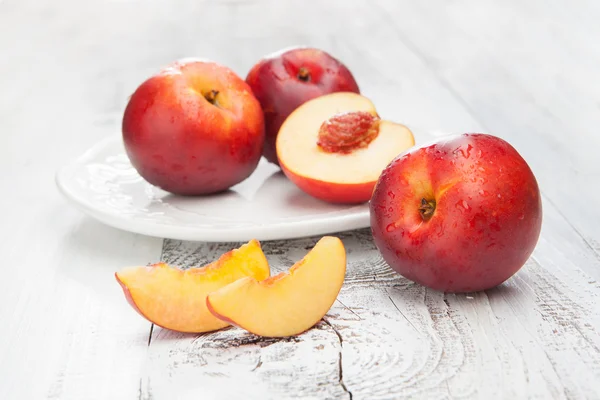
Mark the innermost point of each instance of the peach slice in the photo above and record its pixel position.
(288, 303)
(176, 299)
(335, 147)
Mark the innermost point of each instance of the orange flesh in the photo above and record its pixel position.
(289, 303)
(176, 299)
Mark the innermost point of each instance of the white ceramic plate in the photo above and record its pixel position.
(266, 206)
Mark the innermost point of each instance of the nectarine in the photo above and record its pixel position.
(194, 128)
(460, 215)
(284, 80)
(334, 147)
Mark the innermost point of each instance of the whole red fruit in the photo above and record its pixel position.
(284, 80)
(463, 214)
(194, 128)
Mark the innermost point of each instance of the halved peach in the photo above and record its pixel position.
(290, 302)
(175, 299)
(334, 147)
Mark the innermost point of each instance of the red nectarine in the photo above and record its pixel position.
(194, 128)
(284, 80)
(463, 214)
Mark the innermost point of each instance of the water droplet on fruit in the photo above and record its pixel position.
(391, 194)
(390, 228)
(463, 206)
(465, 153)
(483, 193)
(522, 216)
(390, 209)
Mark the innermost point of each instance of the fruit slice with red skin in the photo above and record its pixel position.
(331, 151)
(289, 303)
(176, 299)
(459, 215)
(286, 79)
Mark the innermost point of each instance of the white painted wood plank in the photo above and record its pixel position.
(67, 333)
(307, 366)
(522, 70)
(535, 336)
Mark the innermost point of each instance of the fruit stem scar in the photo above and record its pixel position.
(426, 209)
(211, 96)
(303, 74)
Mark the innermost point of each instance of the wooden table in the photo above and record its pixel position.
(524, 70)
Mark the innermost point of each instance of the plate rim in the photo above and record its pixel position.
(280, 231)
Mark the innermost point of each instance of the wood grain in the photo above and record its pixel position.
(272, 368)
(395, 339)
(523, 70)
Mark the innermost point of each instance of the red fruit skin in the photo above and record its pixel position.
(129, 297)
(336, 193)
(487, 219)
(275, 83)
(177, 140)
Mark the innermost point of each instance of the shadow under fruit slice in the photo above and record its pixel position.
(290, 302)
(176, 299)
